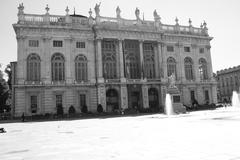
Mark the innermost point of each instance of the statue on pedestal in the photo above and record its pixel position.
(137, 13)
(97, 9)
(172, 81)
(156, 16)
(118, 12)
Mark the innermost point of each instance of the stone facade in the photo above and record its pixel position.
(112, 61)
(228, 81)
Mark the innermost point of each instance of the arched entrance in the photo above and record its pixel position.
(153, 99)
(112, 100)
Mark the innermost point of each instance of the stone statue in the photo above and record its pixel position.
(97, 9)
(137, 13)
(172, 80)
(118, 12)
(156, 16)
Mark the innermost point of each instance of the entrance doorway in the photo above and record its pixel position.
(153, 99)
(112, 100)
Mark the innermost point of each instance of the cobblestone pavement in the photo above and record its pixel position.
(204, 135)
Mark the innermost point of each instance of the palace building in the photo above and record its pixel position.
(75, 60)
(228, 81)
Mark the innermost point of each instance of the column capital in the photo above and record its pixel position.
(141, 40)
(194, 46)
(120, 39)
(21, 37)
(99, 38)
(45, 38)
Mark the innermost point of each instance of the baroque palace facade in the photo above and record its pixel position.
(118, 63)
(228, 81)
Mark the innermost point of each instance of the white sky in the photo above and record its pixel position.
(222, 17)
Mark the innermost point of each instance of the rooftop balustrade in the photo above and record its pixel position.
(76, 20)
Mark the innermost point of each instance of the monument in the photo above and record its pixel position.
(175, 97)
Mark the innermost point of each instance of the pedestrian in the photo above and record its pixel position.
(23, 117)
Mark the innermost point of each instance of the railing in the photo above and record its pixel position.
(108, 21)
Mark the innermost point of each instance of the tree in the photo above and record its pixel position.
(4, 94)
(8, 71)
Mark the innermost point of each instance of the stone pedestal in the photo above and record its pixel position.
(176, 100)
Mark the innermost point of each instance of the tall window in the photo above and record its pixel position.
(132, 59)
(171, 67)
(109, 59)
(81, 68)
(33, 67)
(58, 67)
(203, 69)
(188, 64)
(149, 65)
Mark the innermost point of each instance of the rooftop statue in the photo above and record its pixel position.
(97, 9)
(137, 13)
(156, 16)
(118, 11)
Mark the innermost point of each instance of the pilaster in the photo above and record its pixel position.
(21, 59)
(145, 96)
(69, 77)
(46, 68)
(195, 63)
(160, 59)
(124, 97)
(141, 57)
(156, 61)
(102, 96)
(121, 58)
(99, 61)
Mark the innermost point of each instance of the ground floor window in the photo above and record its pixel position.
(33, 102)
(206, 94)
(82, 100)
(59, 104)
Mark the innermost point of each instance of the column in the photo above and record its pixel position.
(145, 96)
(20, 59)
(181, 61)
(214, 93)
(99, 61)
(156, 61)
(121, 57)
(91, 61)
(160, 59)
(102, 96)
(46, 67)
(164, 62)
(69, 61)
(195, 63)
(179, 66)
(209, 63)
(124, 97)
(141, 58)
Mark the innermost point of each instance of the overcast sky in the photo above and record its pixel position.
(222, 17)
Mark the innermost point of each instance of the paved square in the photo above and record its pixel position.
(205, 135)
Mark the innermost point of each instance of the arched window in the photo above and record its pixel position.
(81, 68)
(149, 64)
(188, 64)
(171, 67)
(109, 59)
(203, 69)
(58, 67)
(33, 67)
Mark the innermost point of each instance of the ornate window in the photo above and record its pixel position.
(58, 67)
(188, 65)
(203, 69)
(33, 67)
(109, 59)
(132, 59)
(171, 67)
(149, 65)
(81, 68)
